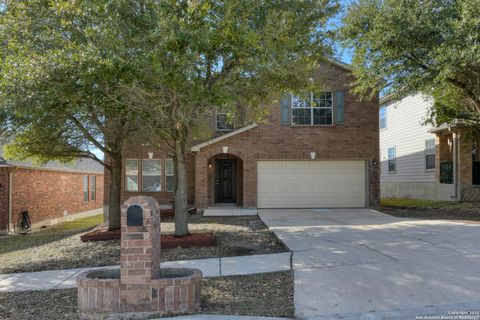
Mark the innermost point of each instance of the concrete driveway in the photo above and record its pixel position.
(363, 264)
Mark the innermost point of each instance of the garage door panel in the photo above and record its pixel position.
(311, 184)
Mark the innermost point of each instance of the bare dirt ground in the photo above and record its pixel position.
(432, 210)
(60, 247)
(268, 294)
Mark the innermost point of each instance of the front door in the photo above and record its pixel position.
(225, 181)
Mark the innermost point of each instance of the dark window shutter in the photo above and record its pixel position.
(339, 107)
(285, 109)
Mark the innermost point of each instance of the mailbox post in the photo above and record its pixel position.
(140, 252)
(140, 289)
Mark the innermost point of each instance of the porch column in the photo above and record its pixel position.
(201, 185)
(464, 161)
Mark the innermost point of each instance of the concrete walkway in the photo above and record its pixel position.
(362, 264)
(222, 317)
(214, 267)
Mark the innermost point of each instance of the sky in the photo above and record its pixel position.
(342, 54)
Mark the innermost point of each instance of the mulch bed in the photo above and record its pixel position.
(192, 240)
(167, 241)
(268, 294)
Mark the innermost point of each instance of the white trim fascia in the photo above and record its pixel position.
(197, 147)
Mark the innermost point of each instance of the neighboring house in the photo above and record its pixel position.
(318, 149)
(423, 162)
(51, 193)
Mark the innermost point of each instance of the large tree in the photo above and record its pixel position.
(63, 64)
(430, 46)
(227, 54)
(90, 69)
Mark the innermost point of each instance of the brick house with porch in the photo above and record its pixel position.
(51, 193)
(314, 149)
(458, 161)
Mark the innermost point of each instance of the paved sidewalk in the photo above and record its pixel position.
(214, 267)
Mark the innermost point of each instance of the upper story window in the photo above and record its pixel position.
(430, 154)
(312, 108)
(383, 117)
(151, 175)
(392, 159)
(224, 119)
(131, 175)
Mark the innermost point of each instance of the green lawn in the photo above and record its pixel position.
(414, 203)
(50, 234)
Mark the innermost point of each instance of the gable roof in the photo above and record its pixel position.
(197, 147)
(340, 64)
(86, 165)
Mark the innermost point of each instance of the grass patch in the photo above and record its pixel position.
(48, 235)
(413, 203)
(268, 294)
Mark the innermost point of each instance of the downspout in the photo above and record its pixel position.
(455, 166)
(10, 185)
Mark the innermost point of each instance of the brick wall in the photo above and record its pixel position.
(138, 149)
(358, 138)
(4, 182)
(47, 194)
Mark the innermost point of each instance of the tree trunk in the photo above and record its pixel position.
(114, 193)
(181, 210)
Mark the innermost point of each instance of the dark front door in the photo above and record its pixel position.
(225, 181)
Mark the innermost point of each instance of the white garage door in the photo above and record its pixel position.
(311, 184)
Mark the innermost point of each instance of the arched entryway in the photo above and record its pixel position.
(225, 180)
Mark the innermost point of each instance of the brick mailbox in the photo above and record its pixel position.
(140, 286)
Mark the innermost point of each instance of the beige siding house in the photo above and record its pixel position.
(407, 151)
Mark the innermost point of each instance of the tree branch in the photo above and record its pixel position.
(89, 137)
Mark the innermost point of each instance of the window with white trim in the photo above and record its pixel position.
(131, 175)
(169, 175)
(383, 117)
(93, 188)
(225, 119)
(151, 175)
(430, 154)
(312, 108)
(85, 188)
(392, 159)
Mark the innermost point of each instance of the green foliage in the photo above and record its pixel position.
(225, 53)
(83, 74)
(62, 65)
(415, 46)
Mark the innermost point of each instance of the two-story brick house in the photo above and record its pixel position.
(315, 149)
